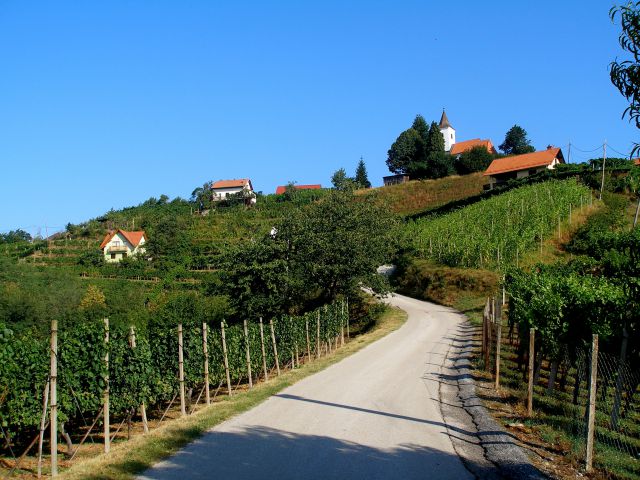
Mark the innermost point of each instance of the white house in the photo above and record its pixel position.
(519, 166)
(120, 244)
(222, 188)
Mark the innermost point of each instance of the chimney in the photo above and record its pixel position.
(549, 147)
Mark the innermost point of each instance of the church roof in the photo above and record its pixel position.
(467, 145)
(444, 121)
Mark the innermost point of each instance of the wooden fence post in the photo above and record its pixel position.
(498, 345)
(264, 356)
(107, 433)
(45, 404)
(246, 341)
(53, 415)
(143, 408)
(532, 351)
(592, 403)
(183, 409)
(318, 335)
(306, 319)
(205, 353)
(348, 336)
(275, 347)
(226, 359)
(342, 323)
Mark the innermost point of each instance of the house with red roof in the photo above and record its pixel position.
(504, 169)
(283, 188)
(221, 189)
(119, 244)
(461, 147)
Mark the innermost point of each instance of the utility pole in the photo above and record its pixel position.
(604, 162)
(569, 154)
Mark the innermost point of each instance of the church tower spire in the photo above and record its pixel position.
(448, 132)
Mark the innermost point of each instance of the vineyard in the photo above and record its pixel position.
(495, 232)
(146, 370)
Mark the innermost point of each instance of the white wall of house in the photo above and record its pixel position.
(221, 193)
(119, 247)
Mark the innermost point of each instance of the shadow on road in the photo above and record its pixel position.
(266, 453)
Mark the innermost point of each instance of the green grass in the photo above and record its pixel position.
(132, 457)
(419, 195)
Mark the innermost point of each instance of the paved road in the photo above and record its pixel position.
(374, 415)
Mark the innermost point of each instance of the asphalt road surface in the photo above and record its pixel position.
(374, 415)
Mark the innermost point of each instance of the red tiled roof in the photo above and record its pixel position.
(543, 158)
(231, 183)
(462, 147)
(282, 188)
(132, 237)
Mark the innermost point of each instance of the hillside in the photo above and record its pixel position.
(419, 195)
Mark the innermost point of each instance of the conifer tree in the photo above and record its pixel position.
(362, 178)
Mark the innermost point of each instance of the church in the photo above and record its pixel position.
(453, 148)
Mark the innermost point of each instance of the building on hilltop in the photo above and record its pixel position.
(283, 188)
(455, 149)
(119, 244)
(221, 189)
(504, 169)
(395, 179)
(461, 147)
(448, 132)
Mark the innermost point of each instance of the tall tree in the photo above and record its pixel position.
(438, 163)
(435, 140)
(340, 180)
(420, 126)
(516, 142)
(625, 75)
(404, 152)
(362, 179)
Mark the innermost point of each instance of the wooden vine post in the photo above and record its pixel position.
(183, 408)
(105, 400)
(592, 402)
(43, 419)
(306, 319)
(498, 344)
(264, 355)
(342, 323)
(246, 341)
(226, 358)
(53, 414)
(318, 335)
(143, 408)
(348, 318)
(205, 353)
(532, 350)
(275, 347)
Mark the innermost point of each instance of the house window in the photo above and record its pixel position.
(113, 256)
(124, 254)
(533, 171)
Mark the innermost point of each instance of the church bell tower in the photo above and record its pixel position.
(448, 132)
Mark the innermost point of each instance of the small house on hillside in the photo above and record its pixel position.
(504, 169)
(221, 189)
(461, 147)
(120, 244)
(395, 180)
(283, 188)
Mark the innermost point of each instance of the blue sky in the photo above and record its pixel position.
(105, 104)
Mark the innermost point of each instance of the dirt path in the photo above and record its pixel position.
(375, 415)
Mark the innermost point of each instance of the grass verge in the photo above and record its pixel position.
(134, 456)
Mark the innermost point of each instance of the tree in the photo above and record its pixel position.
(362, 178)
(625, 75)
(15, 236)
(420, 126)
(516, 142)
(435, 140)
(340, 181)
(438, 164)
(476, 159)
(404, 152)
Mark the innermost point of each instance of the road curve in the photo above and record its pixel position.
(374, 415)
